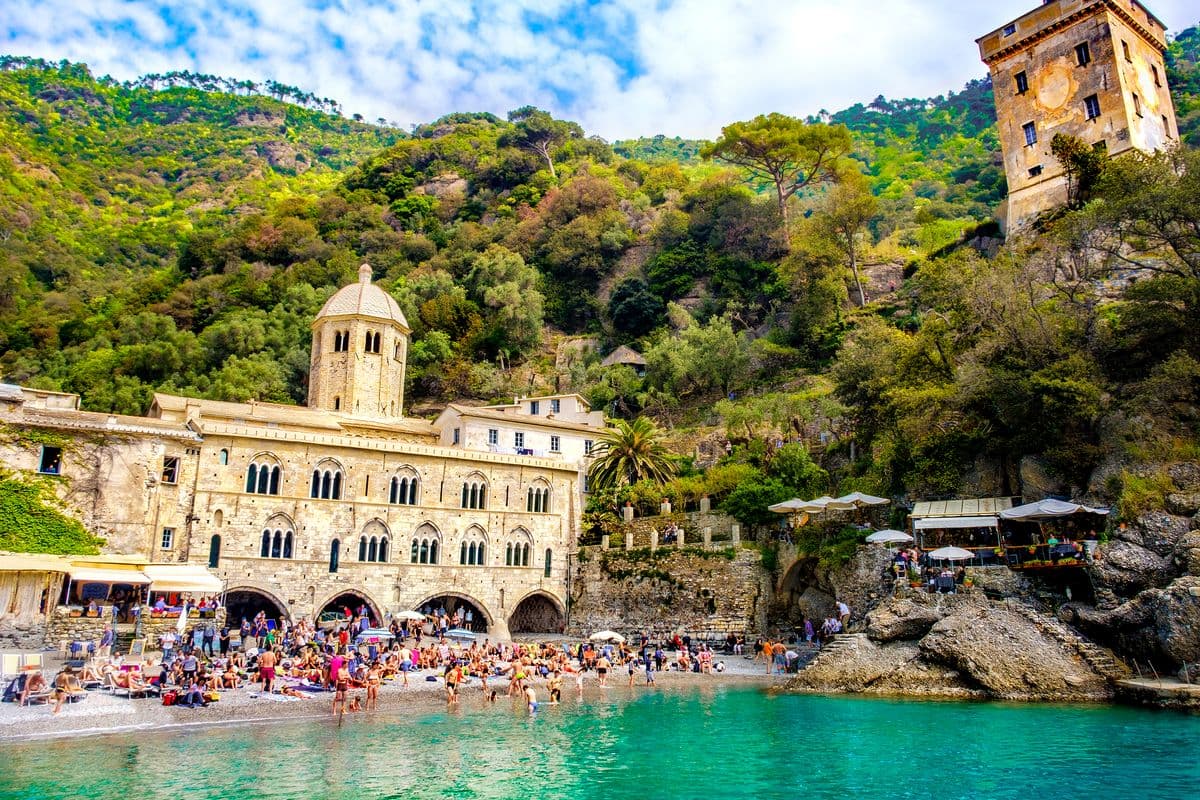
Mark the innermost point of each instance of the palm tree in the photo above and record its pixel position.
(630, 452)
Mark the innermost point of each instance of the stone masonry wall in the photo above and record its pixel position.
(689, 588)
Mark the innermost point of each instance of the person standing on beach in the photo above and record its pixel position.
(266, 670)
(555, 687)
(106, 641)
(531, 698)
(602, 665)
(341, 685)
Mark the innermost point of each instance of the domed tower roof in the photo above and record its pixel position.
(363, 299)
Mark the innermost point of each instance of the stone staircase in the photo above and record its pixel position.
(838, 644)
(1098, 658)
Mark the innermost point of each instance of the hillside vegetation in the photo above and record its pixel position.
(179, 233)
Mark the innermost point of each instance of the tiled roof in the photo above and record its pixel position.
(363, 299)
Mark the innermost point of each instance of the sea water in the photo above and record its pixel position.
(714, 744)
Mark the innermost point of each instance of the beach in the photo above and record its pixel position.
(105, 713)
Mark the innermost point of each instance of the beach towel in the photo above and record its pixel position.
(279, 698)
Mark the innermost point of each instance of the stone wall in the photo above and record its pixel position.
(64, 628)
(688, 588)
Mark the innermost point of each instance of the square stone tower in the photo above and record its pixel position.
(1092, 69)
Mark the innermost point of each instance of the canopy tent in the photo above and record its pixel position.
(793, 506)
(98, 575)
(1048, 509)
(858, 500)
(951, 554)
(32, 562)
(935, 523)
(191, 578)
(889, 537)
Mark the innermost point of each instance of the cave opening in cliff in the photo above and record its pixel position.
(798, 596)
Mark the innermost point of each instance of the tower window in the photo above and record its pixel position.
(168, 538)
(337, 404)
(1166, 126)
(1125, 50)
(1035, 171)
(1083, 54)
(457, 436)
(1009, 30)
(1030, 129)
(1157, 79)
(170, 469)
(1022, 82)
(1137, 105)
(1091, 105)
(223, 457)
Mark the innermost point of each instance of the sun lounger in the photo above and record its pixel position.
(37, 697)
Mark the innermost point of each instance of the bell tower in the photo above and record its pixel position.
(359, 350)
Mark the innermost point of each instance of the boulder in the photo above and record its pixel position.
(900, 619)
(1037, 479)
(1185, 475)
(1127, 568)
(1010, 657)
(1187, 553)
(860, 583)
(1176, 613)
(1184, 504)
(859, 665)
(1160, 532)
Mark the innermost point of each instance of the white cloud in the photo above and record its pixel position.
(623, 67)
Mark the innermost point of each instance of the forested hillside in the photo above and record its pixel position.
(179, 233)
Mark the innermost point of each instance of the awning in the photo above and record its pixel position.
(928, 523)
(96, 575)
(971, 507)
(1049, 509)
(32, 562)
(182, 578)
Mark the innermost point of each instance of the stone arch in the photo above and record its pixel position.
(278, 537)
(489, 619)
(538, 611)
(426, 544)
(264, 474)
(474, 547)
(798, 595)
(537, 496)
(328, 479)
(250, 594)
(475, 489)
(361, 595)
(518, 548)
(375, 542)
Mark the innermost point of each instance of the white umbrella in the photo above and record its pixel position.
(414, 615)
(827, 503)
(858, 500)
(607, 636)
(889, 537)
(951, 554)
(460, 634)
(788, 506)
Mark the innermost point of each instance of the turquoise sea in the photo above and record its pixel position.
(721, 743)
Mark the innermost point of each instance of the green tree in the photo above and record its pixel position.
(1083, 165)
(630, 452)
(791, 154)
(539, 133)
(843, 219)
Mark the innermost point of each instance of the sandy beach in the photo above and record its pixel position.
(103, 713)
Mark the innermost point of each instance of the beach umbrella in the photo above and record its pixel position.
(858, 500)
(889, 537)
(460, 634)
(951, 554)
(607, 636)
(788, 506)
(827, 503)
(413, 615)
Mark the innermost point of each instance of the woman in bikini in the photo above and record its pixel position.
(374, 678)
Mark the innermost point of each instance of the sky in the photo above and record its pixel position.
(622, 68)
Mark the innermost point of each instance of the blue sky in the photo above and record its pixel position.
(620, 67)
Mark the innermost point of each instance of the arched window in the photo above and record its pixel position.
(263, 475)
(474, 493)
(362, 548)
(218, 518)
(214, 551)
(337, 404)
(415, 545)
(479, 555)
(433, 552)
(424, 551)
(403, 488)
(525, 555)
(334, 554)
(462, 553)
(326, 481)
(508, 554)
(373, 550)
(383, 550)
(472, 549)
(537, 498)
(337, 486)
(278, 538)
(378, 341)
(223, 457)
(546, 568)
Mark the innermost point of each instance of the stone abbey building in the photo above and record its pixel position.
(345, 501)
(1092, 69)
